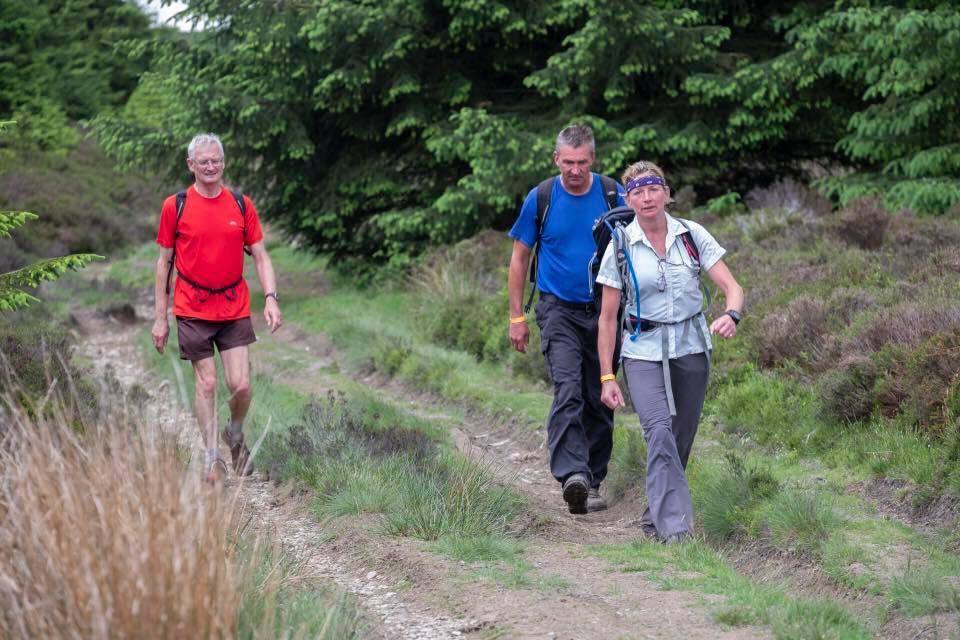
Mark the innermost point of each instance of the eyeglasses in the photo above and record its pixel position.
(209, 163)
(662, 271)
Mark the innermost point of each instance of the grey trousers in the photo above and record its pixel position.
(669, 440)
(579, 427)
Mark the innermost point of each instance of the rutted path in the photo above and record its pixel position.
(403, 589)
(109, 342)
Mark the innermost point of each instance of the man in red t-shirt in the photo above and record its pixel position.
(211, 301)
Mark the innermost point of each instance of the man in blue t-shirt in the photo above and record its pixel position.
(580, 427)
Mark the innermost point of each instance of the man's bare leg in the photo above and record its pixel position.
(236, 367)
(204, 404)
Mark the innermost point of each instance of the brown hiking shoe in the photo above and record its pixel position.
(575, 489)
(239, 453)
(595, 501)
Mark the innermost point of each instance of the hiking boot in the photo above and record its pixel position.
(649, 530)
(678, 537)
(595, 501)
(216, 471)
(239, 453)
(575, 490)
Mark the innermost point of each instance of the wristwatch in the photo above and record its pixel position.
(734, 315)
(271, 294)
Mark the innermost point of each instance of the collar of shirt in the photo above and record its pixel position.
(674, 228)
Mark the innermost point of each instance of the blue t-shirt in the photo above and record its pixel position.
(566, 244)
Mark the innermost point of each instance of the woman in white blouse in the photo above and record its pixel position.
(666, 342)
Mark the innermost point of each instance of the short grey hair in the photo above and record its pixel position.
(576, 135)
(202, 140)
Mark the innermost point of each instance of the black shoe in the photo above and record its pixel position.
(595, 501)
(575, 490)
(649, 530)
(678, 537)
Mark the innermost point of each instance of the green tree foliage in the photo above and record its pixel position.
(13, 283)
(374, 129)
(903, 63)
(65, 60)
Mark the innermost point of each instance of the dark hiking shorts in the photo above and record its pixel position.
(197, 337)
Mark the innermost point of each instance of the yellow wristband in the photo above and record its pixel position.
(608, 377)
(518, 319)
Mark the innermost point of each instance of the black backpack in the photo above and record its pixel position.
(544, 190)
(181, 202)
(612, 225)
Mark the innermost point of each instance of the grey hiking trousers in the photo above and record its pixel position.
(669, 440)
(579, 427)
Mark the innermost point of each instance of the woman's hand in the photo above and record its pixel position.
(611, 395)
(724, 326)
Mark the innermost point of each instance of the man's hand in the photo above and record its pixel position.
(271, 313)
(611, 395)
(160, 333)
(519, 336)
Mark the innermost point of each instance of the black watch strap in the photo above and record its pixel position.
(271, 294)
(734, 315)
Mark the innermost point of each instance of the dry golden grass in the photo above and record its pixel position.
(104, 533)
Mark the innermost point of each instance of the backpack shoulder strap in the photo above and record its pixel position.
(181, 201)
(694, 252)
(242, 205)
(609, 186)
(544, 191)
(688, 242)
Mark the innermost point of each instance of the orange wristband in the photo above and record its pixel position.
(608, 378)
(518, 319)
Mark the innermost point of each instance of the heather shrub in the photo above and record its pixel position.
(793, 332)
(863, 223)
(907, 324)
(847, 392)
(789, 195)
(922, 381)
(36, 355)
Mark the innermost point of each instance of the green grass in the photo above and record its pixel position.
(921, 592)
(703, 569)
(801, 520)
(298, 609)
(480, 548)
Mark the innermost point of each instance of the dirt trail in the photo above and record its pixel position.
(404, 590)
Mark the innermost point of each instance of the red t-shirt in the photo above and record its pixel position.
(209, 251)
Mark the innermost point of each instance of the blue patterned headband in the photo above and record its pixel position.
(643, 181)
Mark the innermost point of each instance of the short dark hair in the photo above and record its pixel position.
(576, 135)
